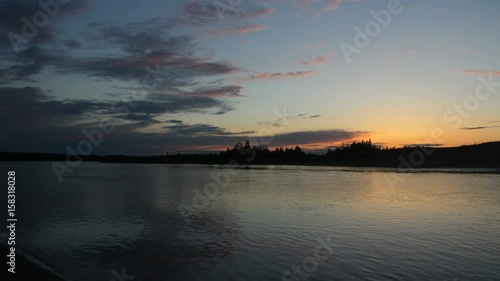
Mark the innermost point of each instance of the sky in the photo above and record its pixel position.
(151, 77)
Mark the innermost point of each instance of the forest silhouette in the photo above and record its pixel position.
(359, 154)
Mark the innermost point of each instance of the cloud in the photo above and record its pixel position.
(144, 52)
(202, 13)
(333, 5)
(213, 138)
(423, 145)
(146, 48)
(263, 12)
(29, 62)
(143, 118)
(40, 104)
(278, 75)
(479, 128)
(32, 119)
(74, 44)
(184, 129)
(178, 103)
(163, 66)
(149, 43)
(239, 29)
(250, 28)
(141, 53)
(226, 91)
(307, 116)
(192, 137)
(316, 60)
(480, 72)
(174, 121)
(49, 125)
(48, 112)
(28, 113)
(312, 137)
(13, 12)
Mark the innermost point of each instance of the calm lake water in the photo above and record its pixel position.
(182, 222)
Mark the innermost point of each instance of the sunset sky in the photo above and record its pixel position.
(180, 76)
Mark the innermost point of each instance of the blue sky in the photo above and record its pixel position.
(205, 74)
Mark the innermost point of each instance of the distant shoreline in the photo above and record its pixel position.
(486, 155)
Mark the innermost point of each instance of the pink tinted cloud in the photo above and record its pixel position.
(333, 5)
(265, 12)
(251, 28)
(480, 72)
(278, 75)
(239, 29)
(316, 60)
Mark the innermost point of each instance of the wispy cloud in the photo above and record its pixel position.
(279, 75)
(308, 116)
(333, 5)
(480, 72)
(264, 12)
(47, 110)
(423, 144)
(239, 29)
(316, 60)
(226, 91)
(479, 128)
(184, 129)
(202, 13)
(12, 12)
(316, 137)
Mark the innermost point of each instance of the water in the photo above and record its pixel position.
(148, 221)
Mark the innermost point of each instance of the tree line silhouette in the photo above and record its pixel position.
(362, 153)
(245, 152)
